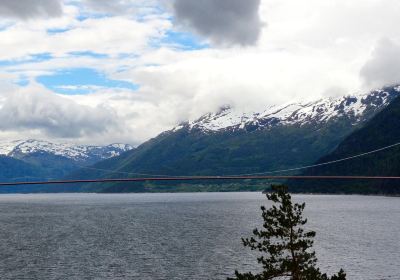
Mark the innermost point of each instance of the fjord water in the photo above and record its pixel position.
(183, 236)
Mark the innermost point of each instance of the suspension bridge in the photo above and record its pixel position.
(195, 178)
(252, 176)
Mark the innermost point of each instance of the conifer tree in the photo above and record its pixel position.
(284, 245)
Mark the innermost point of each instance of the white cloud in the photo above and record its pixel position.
(121, 7)
(225, 22)
(26, 9)
(307, 49)
(383, 68)
(37, 109)
(111, 36)
(199, 82)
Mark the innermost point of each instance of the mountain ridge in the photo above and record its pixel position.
(17, 148)
(321, 110)
(269, 142)
(35, 160)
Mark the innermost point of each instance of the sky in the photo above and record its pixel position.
(100, 71)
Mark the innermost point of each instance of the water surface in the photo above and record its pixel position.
(183, 236)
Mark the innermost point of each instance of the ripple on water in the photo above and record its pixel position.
(182, 236)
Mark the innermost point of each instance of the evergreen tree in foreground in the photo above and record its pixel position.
(284, 244)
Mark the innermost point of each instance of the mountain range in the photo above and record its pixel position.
(226, 142)
(82, 153)
(356, 108)
(230, 142)
(34, 159)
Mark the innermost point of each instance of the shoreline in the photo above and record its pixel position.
(194, 192)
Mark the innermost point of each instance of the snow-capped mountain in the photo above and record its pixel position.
(27, 160)
(354, 107)
(74, 152)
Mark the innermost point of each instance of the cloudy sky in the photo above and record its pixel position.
(100, 71)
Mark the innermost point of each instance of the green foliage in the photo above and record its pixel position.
(39, 166)
(185, 152)
(53, 166)
(17, 170)
(284, 245)
(185, 187)
(13, 169)
(382, 130)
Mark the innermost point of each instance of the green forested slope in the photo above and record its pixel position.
(380, 131)
(185, 152)
(16, 170)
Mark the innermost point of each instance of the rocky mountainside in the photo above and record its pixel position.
(228, 142)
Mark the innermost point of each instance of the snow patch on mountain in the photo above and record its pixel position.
(68, 150)
(322, 110)
(7, 147)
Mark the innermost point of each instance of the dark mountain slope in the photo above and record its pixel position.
(31, 159)
(380, 131)
(16, 170)
(194, 153)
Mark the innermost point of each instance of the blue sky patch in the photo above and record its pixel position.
(86, 16)
(53, 31)
(22, 81)
(81, 81)
(32, 58)
(89, 54)
(41, 57)
(4, 26)
(182, 40)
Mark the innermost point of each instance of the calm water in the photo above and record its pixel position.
(183, 236)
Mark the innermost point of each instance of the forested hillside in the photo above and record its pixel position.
(380, 131)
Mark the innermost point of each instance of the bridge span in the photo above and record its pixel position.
(200, 178)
